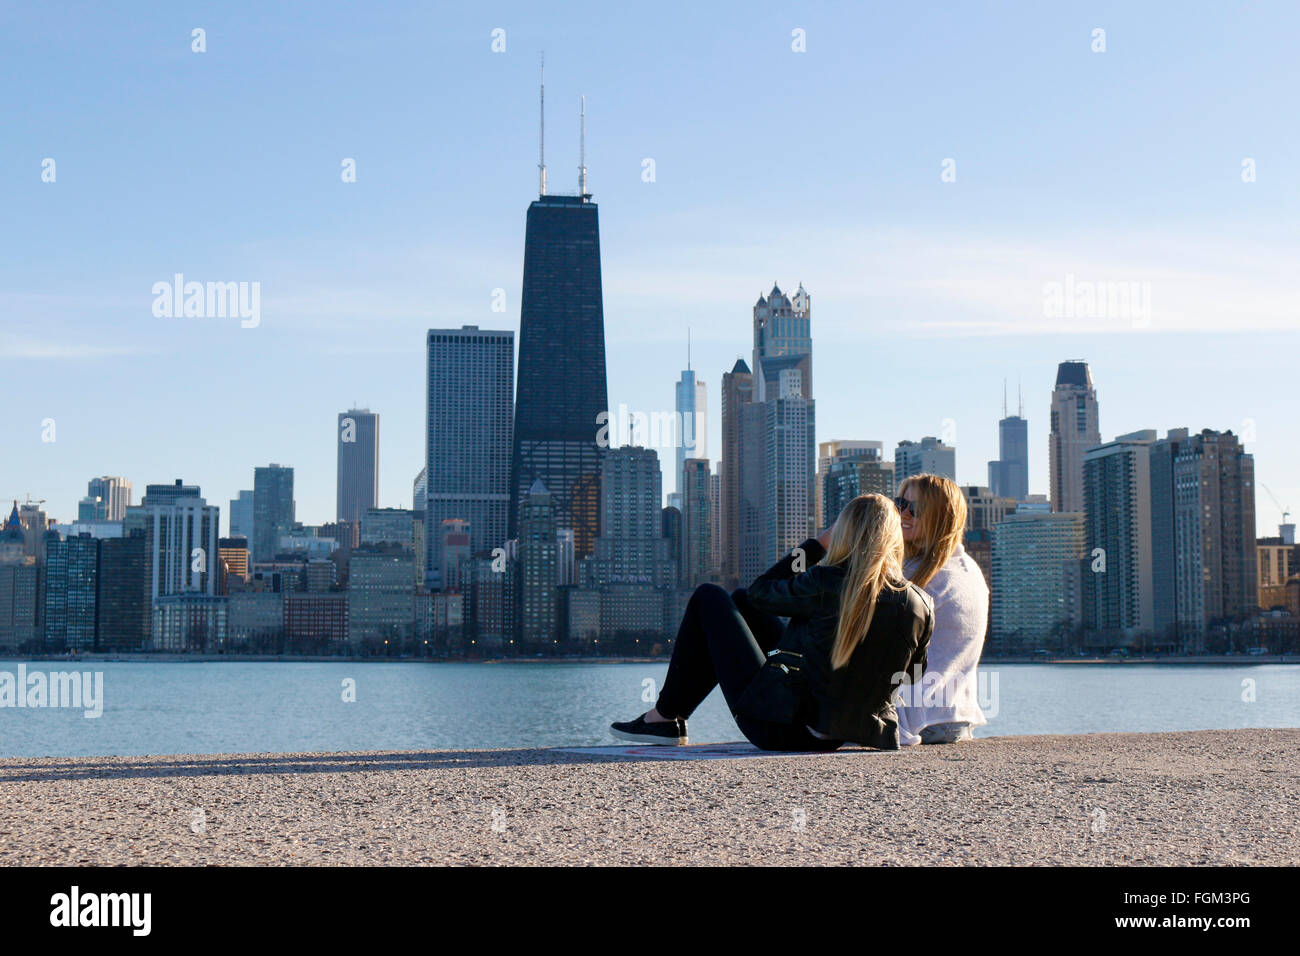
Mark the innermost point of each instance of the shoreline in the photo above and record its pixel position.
(1199, 798)
(149, 657)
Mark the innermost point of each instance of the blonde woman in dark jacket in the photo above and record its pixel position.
(857, 629)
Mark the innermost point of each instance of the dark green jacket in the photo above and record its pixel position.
(797, 685)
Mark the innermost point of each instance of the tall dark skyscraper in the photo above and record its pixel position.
(1009, 475)
(561, 388)
(122, 618)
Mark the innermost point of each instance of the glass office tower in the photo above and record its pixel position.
(561, 387)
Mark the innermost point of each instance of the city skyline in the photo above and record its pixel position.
(1269, 514)
(946, 279)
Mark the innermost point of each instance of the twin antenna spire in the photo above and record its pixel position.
(1020, 413)
(541, 143)
(541, 150)
(582, 151)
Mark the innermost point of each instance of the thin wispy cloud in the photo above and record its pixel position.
(14, 347)
(938, 285)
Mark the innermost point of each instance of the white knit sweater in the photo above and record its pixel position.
(947, 693)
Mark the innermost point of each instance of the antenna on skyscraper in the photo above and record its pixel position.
(1020, 399)
(1004, 398)
(541, 142)
(582, 151)
(688, 348)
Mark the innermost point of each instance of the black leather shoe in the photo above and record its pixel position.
(669, 732)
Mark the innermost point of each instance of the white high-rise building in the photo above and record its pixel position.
(692, 422)
(113, 492)
(182, 532)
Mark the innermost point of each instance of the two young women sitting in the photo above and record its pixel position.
(883, 596)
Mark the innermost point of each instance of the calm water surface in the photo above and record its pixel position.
(279, 707)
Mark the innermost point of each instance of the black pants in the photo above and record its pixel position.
(723, 639)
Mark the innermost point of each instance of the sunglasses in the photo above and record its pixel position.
(904, 505)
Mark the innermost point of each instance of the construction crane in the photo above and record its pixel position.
(1286, 511)
(29, 500)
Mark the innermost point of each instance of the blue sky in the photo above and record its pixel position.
(821, 166)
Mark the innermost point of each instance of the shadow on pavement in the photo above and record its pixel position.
(22, 770)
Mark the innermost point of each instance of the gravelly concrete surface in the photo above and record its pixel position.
(1205, 797)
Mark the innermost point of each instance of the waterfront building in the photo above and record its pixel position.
(1036, 563)
(71, 585)
(1214, 532)
(1118, 584)
(381, 593)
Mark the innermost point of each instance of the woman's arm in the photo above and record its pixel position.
(796, 562)
(923, 629)
(791, 586)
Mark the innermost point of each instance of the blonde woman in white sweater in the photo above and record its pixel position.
(943, 706)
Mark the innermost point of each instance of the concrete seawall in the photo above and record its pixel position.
(1204, 797)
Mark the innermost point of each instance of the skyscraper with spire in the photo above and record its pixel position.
(561, 387)
(1009, 475)
(692, 416)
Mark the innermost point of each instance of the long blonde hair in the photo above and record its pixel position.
(940, 522)
(868, 533)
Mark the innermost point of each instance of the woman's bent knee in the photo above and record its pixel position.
(710, 592)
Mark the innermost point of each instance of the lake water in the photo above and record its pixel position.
(282, 707)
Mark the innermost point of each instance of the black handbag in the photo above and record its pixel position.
(778, 691)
